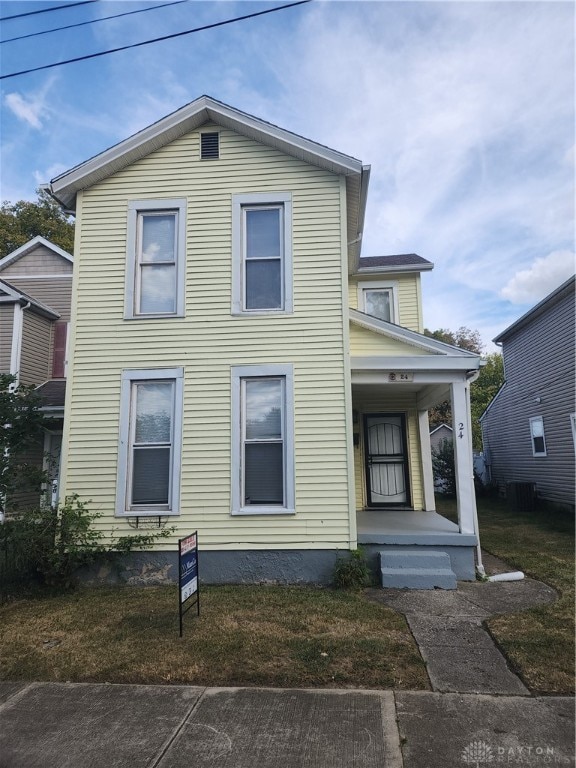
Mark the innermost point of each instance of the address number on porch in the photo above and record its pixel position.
(400, 376)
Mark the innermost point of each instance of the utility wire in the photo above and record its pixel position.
(92, 21)
(47, 10)
(155, 40)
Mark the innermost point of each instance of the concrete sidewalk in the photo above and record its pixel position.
(63, 725)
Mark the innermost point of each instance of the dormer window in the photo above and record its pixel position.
(379, 299)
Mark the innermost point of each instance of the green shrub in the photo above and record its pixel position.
(59, 540)
(351, 572)
(444, 467)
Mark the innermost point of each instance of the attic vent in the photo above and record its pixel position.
(209, 146)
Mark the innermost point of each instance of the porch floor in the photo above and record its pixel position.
(409, 527)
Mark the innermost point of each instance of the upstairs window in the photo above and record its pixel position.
(262, 253)
(378, 300)
(156, 254)
(537, 434)
(59, 348)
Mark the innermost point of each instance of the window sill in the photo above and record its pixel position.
(256, 510)
(148, 513)
(260, 312)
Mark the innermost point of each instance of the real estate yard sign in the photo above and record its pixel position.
(188, 574)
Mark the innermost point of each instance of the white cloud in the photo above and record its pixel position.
(28, 111)
(543, 276)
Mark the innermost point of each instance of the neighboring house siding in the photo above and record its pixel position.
(409, 304)
(439, 435)
(53, 292)
(539, 363)
(366, 342)
(39, 261)
(35, 356)
(208, 341)
(6, 322)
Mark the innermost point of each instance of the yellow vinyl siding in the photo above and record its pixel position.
(409, 299)
(389, 404)
(35, 356)
(208, 341)
(365, 342)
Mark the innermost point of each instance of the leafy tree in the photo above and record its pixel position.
(21, 424)
(465, 338)
(481, 391)
(21, 221)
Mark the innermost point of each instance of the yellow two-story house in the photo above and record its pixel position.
(237, 368)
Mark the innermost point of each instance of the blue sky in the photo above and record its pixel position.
(464, 110)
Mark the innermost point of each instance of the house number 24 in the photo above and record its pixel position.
(460, 429)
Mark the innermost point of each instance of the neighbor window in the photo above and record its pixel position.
(537, 434)
(156, 254)
(262, 253)
(263, 476)
(150, 442)
(378, 300)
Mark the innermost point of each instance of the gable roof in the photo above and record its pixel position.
(404, 262)
(11, 295)
(195, 114)
(543, 306)
(413, 338)
(29, 246)
(440, 426)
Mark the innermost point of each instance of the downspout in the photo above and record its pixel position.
(471, 378)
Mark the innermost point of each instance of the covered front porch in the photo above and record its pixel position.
(394, 485)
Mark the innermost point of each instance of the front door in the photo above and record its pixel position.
(386, 460)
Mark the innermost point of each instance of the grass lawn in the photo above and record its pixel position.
(539, 643)
(261, 635)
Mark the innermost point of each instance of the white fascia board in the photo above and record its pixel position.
(65, 186)
(413, 338)
(27, 247)
(413, 363)
(491, 403)
(372, 271)
(441, 426)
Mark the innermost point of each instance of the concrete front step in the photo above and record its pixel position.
(414, 569)
(418, 578)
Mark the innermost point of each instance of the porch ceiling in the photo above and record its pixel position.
(426, 395)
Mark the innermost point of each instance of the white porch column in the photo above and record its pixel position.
(464, 467)
(426, 454)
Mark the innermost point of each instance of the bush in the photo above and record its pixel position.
(351, 572)
(444, 468)
(59, 540)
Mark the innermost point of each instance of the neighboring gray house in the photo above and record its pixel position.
(529, 428)
(35, 300)
(439, 434)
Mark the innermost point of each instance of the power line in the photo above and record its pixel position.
(92, 21)
(154, 40)
(47, 10)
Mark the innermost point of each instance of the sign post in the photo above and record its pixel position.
(188, 575)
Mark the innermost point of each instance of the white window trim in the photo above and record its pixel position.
(128, 378)
(238, 373)
(382, 285)
(573, 425)
(539, 454)
(261, 198)
(135, 207)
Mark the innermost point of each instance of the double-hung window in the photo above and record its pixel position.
(379, 299)
(262, 253)
(263, 440)
(155, 259)
(150, 442)
(537, 435)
